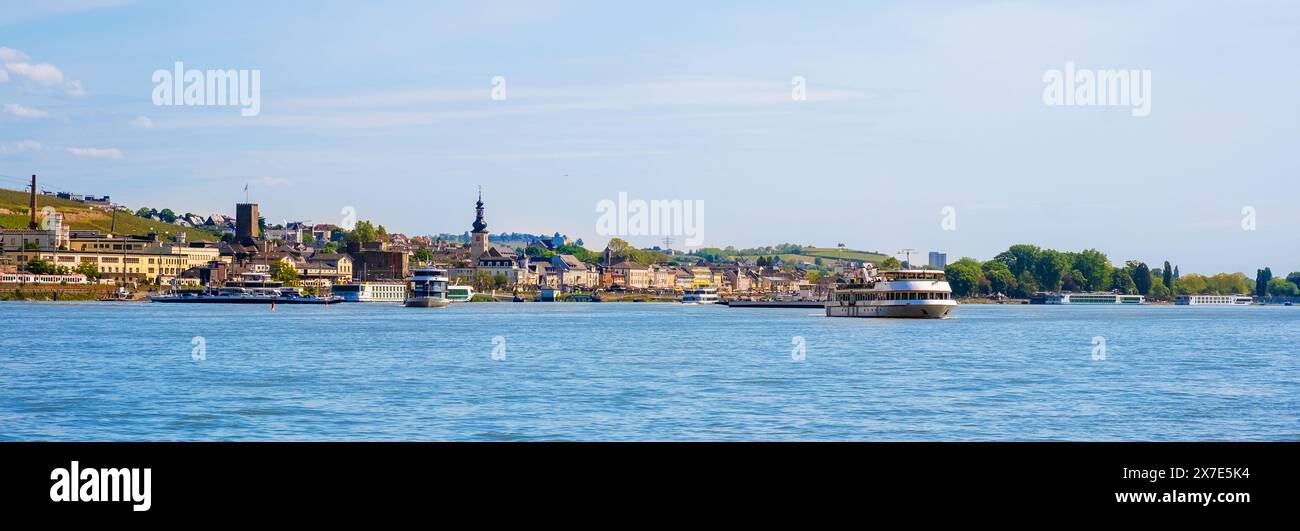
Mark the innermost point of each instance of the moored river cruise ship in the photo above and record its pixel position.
(371, 292)
(914, 293)
(1214, 300)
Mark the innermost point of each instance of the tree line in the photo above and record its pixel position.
(1023, 270)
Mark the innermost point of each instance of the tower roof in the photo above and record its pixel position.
(479, 224)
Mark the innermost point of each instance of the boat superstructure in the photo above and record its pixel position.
(247, 288)
(428, 288)
(701, 295)
(914, 293)
(1214, 300)
(458, 293)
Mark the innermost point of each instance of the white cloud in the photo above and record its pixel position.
(143, 122)
(43, 73)
(96, 153)
(17, 63)
(10, 55)
(75, 89)
(269, 181)
(23, 111)
(21, 146)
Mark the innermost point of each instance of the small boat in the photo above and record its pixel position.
(701, 295)
(428, 288)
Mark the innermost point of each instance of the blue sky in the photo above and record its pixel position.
(912, 107)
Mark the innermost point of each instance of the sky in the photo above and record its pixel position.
(924, 124)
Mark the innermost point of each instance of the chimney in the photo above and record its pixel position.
(33, 225)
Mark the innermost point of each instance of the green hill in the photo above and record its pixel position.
(14, 215)
(842, 254)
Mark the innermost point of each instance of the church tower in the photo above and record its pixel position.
(478, 242)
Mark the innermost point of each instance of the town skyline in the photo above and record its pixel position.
(910, 111)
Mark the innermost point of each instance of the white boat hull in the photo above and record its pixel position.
(426, 302)
(928, 310)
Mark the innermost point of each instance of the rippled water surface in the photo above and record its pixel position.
(125, 371)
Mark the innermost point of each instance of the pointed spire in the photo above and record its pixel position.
(479, 224)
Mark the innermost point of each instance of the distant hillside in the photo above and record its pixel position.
(843, 254)
(14, 215)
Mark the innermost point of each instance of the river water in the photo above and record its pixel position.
(629, 371)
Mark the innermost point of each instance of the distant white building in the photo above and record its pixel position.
(287, 234)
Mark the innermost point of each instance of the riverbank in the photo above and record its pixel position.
(56, 292)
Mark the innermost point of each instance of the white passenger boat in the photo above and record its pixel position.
(701, 295)
(915, 293)
(428, 288)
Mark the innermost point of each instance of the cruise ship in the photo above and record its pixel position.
(428, 288)
(460, 293)
(247, 288)
(701, 295)
(1214, 300)
(371, 292)
(1086, 298)
(906, 293)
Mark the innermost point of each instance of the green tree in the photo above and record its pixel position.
(965, 277)
(1158, 290)
(363, 232)
(1262, 279)
(423, 255)
(1122, 282)
(330, 248)
(1050, 268)
(90, 269)
(284, 272)
(1168, 274)
(1094, 269)
(307, 238)
(36, 266)
(1019, 258)
(999, 277)
(1026, 285)
(167, 215)
(1191, 284)
(1282, 287)
(1141, 278)
(618, 247)
(890, 263)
